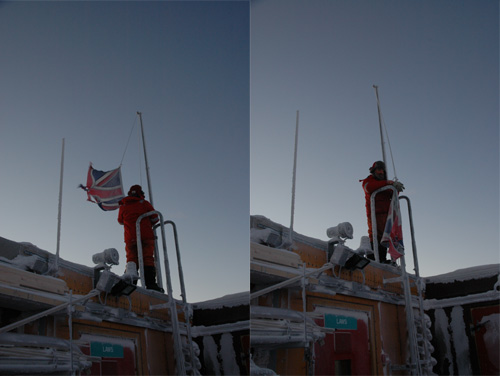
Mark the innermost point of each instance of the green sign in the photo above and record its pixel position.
(340, 322)
(106, 350)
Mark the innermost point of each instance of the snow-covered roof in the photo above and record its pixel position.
(460, 275)
(231, 300)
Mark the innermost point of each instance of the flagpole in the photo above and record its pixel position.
(159, 277)
(56, 265)
(380, 125)
(146, 160)
(294, 178)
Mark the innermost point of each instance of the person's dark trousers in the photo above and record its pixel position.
(150, 277)
(382, 254)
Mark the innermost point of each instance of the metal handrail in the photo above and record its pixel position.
(179, 358)
(410, 318)
(49, 311)
(183, 288)
(417, 274)
(374, 218)
(178, 253)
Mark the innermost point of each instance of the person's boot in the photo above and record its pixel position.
(131, 274)
(150, 277)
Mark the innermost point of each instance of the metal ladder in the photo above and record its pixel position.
(180, 357)
(420, 357)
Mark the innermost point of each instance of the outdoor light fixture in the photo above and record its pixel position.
(342, 230)
(340, 254)
(103, 261)
(104, 279)
(108, 256)
(338, 235)
(111, 283)
(347, 258)
(123, 288)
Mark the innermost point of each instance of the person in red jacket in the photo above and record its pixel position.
(378, 179)
(131, 208)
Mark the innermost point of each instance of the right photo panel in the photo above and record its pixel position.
(374, 180)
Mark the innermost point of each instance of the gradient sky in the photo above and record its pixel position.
(436, 65)
(81, 71)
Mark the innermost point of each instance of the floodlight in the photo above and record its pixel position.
(123, 288)
(108, 256)
(347, 258)
(356, 262)
(104, 260)
(111, 283)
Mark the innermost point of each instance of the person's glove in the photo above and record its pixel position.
(399, 186)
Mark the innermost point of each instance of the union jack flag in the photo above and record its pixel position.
(392, 238)
(105, 188)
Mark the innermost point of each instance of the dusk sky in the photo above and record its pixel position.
(219, 84)
(436, 65)
(81, 71)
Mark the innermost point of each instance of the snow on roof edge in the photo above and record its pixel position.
(228, 301)
(460, 275)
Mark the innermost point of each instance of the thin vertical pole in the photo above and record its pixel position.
(56, 266)
(70, 324)
(159, 277)
(294, 177)
(146, 160)
(380, 126)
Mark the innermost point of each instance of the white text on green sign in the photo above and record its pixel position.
(106, 350)
(340, 322)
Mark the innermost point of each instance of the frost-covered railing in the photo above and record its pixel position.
(308, 338)
(415, 358)
(179, 357)
(374, 218)
(187, 309)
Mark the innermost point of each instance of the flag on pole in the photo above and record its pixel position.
(392, 238)
(105, 188)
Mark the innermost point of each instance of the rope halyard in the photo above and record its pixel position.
(382, 122)
(128, 141)
(138, 145)
(390, 148)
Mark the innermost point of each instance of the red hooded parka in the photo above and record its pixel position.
(382, 203)
(132, 208)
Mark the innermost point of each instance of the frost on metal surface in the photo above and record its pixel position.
(228, 355)
(443, 339)
(210, 356)
(491, 336)
(460, 341)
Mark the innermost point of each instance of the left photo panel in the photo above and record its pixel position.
(124, 231)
